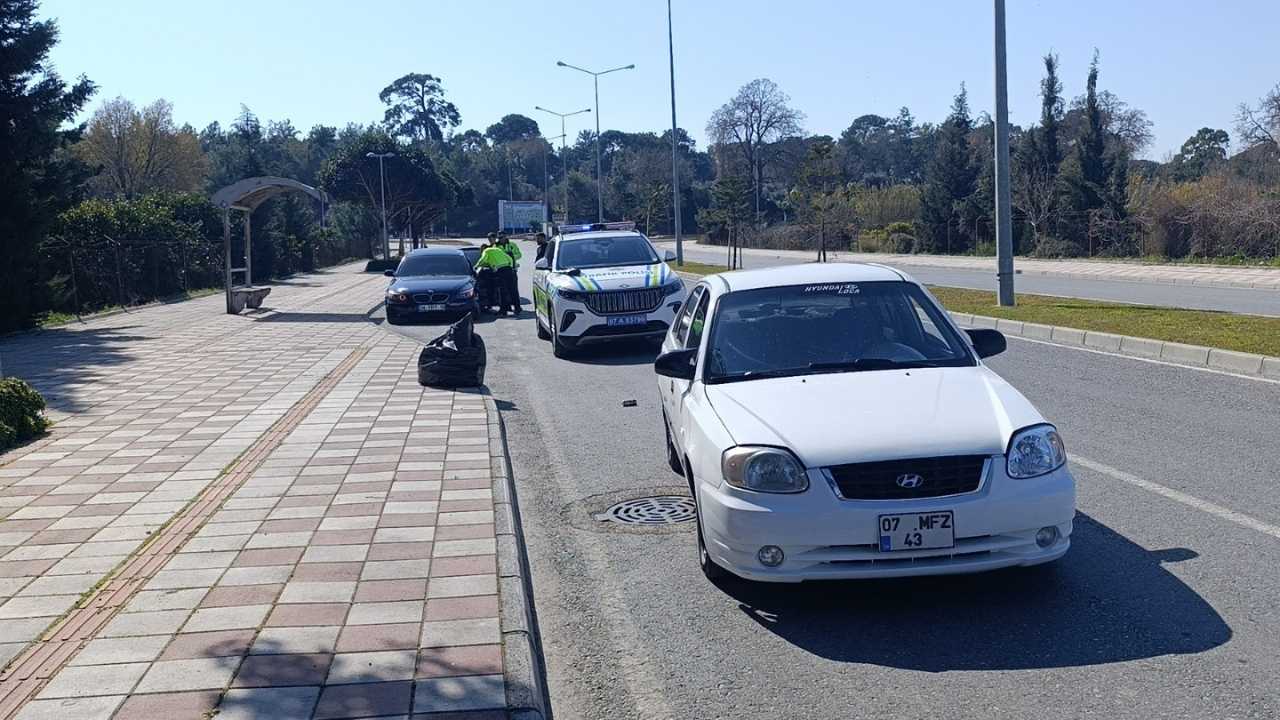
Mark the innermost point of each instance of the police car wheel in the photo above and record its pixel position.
(560, 348)
(543, 334)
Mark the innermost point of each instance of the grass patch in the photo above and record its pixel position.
(697, 268)
(54, 318)
(1229, 331)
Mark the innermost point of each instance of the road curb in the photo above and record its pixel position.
(1239, 363)
(522, 664)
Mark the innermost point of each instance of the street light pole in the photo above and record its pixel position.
(1004, 222)
(382, 185)
(563, 160)
(595, 76)
(675, 166)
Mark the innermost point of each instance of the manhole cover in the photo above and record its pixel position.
(657, 510)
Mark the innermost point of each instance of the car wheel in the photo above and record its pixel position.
(673, 457)
(559, 347)
(710, 569)
(542, 331)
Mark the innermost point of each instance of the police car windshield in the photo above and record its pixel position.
(594, 252)
(444, 264)
(823, 328)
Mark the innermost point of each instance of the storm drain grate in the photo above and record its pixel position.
(657, 510)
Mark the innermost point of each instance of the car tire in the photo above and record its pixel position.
(673, 456)
(543, 334)
(560, 348)
(710, 569)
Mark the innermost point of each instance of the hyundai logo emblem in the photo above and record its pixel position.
(909, 481)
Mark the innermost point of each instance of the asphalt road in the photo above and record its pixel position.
(1240, 300)
(1165, 606)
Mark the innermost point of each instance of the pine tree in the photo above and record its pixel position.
(1088, 172)
(950, 180)
(38, 180)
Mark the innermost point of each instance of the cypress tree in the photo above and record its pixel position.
(949, 181)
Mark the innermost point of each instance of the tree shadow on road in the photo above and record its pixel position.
(1108, 600)
(56, 360)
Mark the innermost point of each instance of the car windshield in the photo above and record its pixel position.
(821, 328)
(604, 251)
(441, 264)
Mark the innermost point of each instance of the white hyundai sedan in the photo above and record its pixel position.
(832, 422)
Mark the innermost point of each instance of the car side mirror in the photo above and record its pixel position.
(389, 273)
(542, 264)
(668, 256)
(678, 364)
(987, 342)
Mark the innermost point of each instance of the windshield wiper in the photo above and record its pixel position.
(872, 364)
(761, 374)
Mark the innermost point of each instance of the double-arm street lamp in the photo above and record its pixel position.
(595, 78)
(563, 161)
(382, 184)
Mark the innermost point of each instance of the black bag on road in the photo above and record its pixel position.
(456, 359)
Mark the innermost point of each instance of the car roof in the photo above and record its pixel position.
(434, 250)
(808, 273)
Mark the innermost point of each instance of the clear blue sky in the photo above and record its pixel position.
(1187, 63)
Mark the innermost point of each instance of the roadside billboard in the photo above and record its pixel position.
(519, 215)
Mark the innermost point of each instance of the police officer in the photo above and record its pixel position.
(494, 260)
(511, 277)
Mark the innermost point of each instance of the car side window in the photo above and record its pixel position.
(697, 322)
(680, 328)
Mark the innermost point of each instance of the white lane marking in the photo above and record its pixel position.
(1153, 361)
(1192, 501)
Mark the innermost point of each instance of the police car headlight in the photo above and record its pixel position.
(763, 469)
(1036, 450)
(574, 295)
(673, 286)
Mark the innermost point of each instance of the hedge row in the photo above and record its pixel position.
(21, 413)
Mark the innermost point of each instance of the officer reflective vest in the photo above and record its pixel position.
(512, 251)
(494, 258)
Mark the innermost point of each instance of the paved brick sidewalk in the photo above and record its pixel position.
(339, 558)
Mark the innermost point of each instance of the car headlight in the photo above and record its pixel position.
(673, 287)
(1035, 451)
(467, 292)
(574, 295)
(397, 297)
(763, 469)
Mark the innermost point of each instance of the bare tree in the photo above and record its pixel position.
(755, 118)
(143, 151)
(1260, 125)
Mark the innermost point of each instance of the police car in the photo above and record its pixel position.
(602, 282)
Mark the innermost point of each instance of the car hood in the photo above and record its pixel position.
(838, 418)
(429, 283)
(620, 277)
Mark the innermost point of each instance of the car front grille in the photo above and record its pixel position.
(895, 479)
(432, 298)
(625, 301)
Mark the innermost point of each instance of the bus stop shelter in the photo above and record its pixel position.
(245, 196)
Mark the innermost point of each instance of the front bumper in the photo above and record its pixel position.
(824, 537)
(409, 311)
(577, 323)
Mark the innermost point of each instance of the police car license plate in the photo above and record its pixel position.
(917, 531)
(431, 308)
(617, 320)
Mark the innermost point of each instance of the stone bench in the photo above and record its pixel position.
(251, 297)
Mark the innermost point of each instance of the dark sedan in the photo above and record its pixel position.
(431, 282)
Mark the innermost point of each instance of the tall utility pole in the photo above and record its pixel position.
(595, 78)
(1004, 223)
(382, 184)
(675, 164)
(564, 161)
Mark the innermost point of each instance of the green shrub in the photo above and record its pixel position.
(21, 412)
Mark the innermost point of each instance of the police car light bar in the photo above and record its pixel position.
(625, 225)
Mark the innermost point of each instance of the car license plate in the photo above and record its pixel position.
(616, 320)
(431, 308)
(917, 531)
